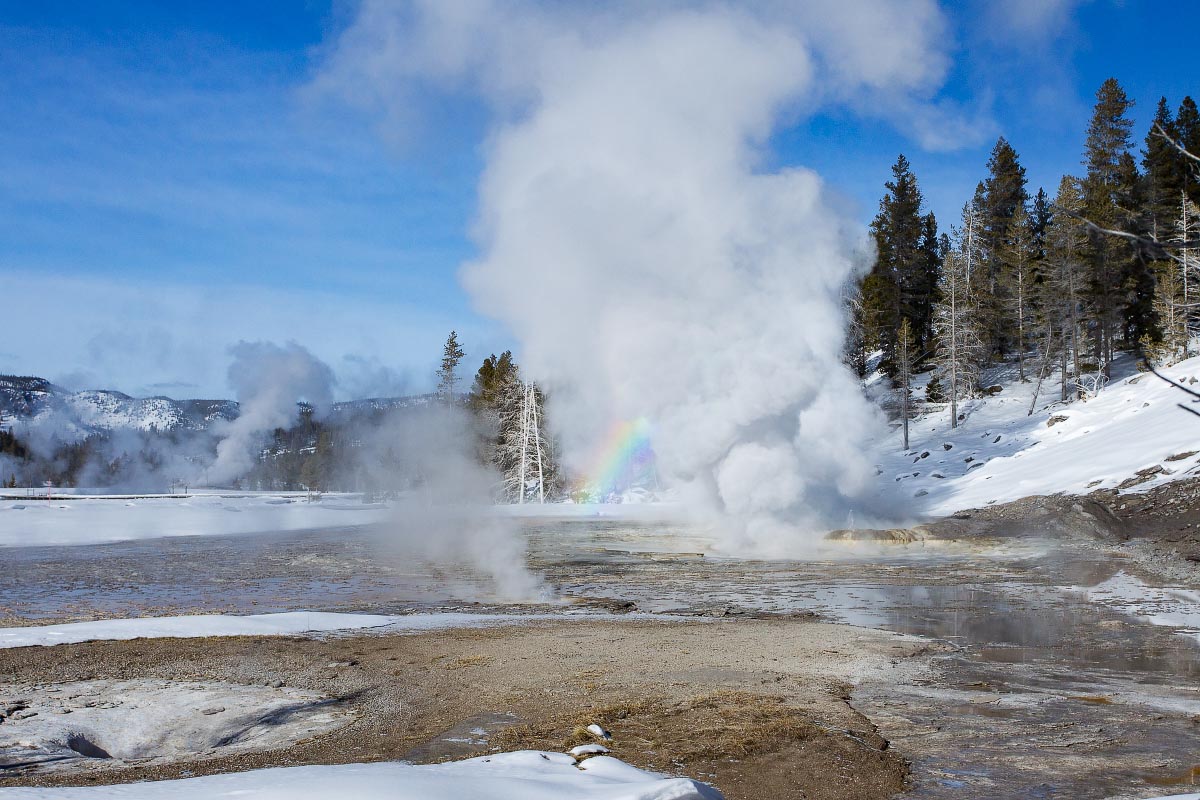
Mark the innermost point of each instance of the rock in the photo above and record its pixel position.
(212, 710)
(1142, 475)
(1182, 456)
(1057, 418)
(947, 445)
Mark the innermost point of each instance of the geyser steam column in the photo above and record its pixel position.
(622, 221)
(632, 241)
(269, 379)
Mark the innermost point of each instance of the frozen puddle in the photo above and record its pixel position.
(1169, 607)
(85, 723)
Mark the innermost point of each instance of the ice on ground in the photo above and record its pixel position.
(999, 453)
(522, 775)
(1170, 607)
(82, 723)
(199, 625)
(289, 623)
(77, 520)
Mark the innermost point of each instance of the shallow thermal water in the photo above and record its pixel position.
(1042, 693)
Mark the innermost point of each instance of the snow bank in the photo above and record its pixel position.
(289, 623)
(523, 775)
(998, 453)
(91, 520)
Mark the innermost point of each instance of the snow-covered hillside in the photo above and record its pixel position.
(74, 415)
(36, 401)
(1132, 436)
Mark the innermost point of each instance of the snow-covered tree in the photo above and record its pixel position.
(959, 348)
(524, 453)
(1187, 230)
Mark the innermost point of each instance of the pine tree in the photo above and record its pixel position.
(1040, 218)
(452, 354)
(1018, 258)
(1004, 196)
(1187, 128)
(492, 376)
(901, 283)
(1065, 276)
(1105, 191)
(1164, 172)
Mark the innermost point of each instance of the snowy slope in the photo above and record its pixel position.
(76, 414)
(998, 453)
(523, 775)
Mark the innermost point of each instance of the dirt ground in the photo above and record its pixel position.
(759, 708)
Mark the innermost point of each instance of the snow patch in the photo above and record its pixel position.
(522, 775)
(288, 623)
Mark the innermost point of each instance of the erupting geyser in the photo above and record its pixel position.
(649, 263)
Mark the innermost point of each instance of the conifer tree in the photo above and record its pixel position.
(1187, 129)
(1164, 172)
(1004, 195)
(452, 354)
(1105, 190)
(1040, 218)
(904, 276)
(1065, 276)
(1018, 258)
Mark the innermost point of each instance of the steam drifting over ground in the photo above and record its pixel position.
(448, 518)
(630, 238)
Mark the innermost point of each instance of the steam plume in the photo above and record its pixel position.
(269, 380)
(634, 242)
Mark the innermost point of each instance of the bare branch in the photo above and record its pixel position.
(1158, 129)
(1157, 247)
(1173, 384)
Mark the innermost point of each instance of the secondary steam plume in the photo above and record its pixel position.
(446, 518)
(269, 380)
(634, 241)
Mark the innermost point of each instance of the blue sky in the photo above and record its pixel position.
(169, 184)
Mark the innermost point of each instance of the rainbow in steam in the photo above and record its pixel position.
(626, 459)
